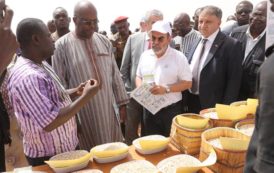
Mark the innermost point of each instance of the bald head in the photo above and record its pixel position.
(85, 19)
(258, 19)
(261, 5)
(182, 17)
(84, 6)
(181, 24)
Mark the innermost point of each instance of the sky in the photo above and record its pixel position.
(108, 10)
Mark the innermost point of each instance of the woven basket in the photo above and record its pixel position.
(187, 140)
(218, 122)
(239, 103)
(227, 161)
(244, 122)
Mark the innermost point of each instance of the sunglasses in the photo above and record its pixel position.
(88, 21)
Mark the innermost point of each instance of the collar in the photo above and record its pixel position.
(189, 33)
(212, 37)
(257, 38)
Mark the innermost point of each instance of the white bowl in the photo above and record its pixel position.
(71, 168)
(68, 156)
(89, 171)
(110, 159)
(152, 151)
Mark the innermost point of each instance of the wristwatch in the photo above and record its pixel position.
(168, 89)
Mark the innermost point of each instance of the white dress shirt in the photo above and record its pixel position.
(196, 54)
(251, 42)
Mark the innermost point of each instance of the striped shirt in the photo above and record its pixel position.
(75, 61)
(36, 97)
(187, 42)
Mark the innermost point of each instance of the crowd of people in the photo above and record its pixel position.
(71, 89)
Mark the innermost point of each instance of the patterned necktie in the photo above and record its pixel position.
(195, 71)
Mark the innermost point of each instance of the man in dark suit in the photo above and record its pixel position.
(260, 157)
(215, 62)
(253, 38)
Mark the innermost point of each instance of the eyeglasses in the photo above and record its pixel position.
(88, 21)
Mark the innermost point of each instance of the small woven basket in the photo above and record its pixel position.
(245, 122)
(187, 140)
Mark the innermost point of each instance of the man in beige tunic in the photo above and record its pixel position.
(83, 54)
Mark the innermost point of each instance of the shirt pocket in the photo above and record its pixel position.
(255, 65)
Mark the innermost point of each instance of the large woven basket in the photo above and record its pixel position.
(218, 122)
(227, 161)
(187, 140)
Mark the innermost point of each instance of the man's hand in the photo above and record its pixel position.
(158, 90)
(80, 88)
(91, 88)
(8, 44)
(123, 113)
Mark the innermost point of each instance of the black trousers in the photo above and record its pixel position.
(160, 123)
(2, 156)
(41, 160)
(37, 161)
(193, 103)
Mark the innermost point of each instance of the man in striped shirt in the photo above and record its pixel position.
(41, 105)
(186, 35)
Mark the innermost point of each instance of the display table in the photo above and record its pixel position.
(133, 155)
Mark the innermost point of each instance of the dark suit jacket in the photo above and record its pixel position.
(220, 77)
(251, 63)
(260, 154)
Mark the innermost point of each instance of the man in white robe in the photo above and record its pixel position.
(83, 54)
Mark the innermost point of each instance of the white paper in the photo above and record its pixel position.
(153, 103)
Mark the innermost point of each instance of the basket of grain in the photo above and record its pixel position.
(216, 122)
(186, 130)
(135, 166)
(69, 161)
(246, 126)
(230, 154)
(250, 104)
